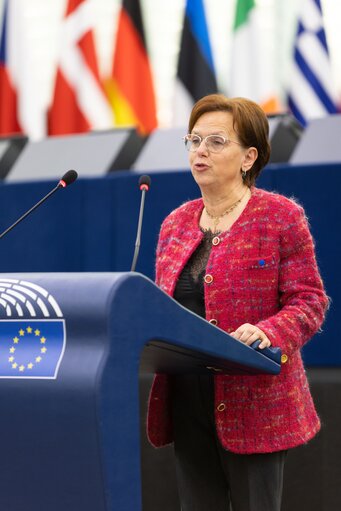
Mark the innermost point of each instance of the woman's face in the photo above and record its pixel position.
(223, 169)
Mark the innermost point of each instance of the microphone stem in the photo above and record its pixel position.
(30, 211)
(139, 228)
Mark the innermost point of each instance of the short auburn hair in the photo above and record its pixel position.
(249, 122)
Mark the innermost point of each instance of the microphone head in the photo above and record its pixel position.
(69, 177)
(144, 183)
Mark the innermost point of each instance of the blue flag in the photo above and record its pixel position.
(195, 73)
(31, 348)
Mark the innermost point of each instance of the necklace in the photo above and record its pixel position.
(216, 219)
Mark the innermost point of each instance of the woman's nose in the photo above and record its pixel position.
(202, 147)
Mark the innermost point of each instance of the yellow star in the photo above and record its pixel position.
(15, 365)
(37, 332)
(43, 350)
(22, 368)
(38, 359)
(29, 330)
(30, 365)
(21, 332)
(16, 340)
(10, 359)
(43, 340)
(12, 350)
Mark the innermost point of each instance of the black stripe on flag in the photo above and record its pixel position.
(193, 69)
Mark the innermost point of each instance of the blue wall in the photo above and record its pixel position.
(91, 226)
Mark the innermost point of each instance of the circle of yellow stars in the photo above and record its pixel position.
(29, 331)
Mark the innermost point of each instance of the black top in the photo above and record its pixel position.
(189, 290)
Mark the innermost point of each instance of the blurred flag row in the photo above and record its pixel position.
(83, 100)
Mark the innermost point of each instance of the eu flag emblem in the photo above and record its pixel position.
(31, 348)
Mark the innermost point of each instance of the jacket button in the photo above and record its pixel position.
(213, 321)
(208, 279)
(284, 358)
(221, 407)
(215, 240)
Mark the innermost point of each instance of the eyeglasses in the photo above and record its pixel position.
(214, 143)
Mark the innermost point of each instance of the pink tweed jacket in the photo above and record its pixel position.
(263, 272)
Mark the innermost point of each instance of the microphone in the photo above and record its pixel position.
(69, 177)
(144, 185)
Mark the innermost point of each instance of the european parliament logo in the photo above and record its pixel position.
(33, 336)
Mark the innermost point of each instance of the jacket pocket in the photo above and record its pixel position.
(256, 263)
(254, 285)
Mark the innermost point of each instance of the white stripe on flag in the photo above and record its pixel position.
(252, 72)
(77, 24)
(183, 104)
(311, 16)
(25, 75)
(315, 55)
(311, 107)
(90, 96)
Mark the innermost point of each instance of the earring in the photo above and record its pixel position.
(243, 173)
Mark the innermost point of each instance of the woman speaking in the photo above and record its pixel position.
(243, 258)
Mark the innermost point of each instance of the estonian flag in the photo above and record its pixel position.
(195, 75)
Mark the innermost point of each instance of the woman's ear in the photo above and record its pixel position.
(250, 156)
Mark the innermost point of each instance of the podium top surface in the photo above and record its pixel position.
(164, 335)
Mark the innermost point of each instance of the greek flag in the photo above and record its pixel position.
(311, 93)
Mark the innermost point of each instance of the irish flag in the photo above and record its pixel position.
(253, 61)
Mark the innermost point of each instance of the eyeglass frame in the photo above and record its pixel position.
(204, 139)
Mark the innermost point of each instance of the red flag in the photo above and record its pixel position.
(130, 87)
(8, 97)
(79, 102)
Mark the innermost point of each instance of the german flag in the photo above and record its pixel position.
(130, 86)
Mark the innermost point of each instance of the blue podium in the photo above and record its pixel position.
(72, 346)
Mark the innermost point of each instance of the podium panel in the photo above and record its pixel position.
(164, 150)
(71, 350)
(10, 149)
(320, 142)
(93, 154)
(284, 133)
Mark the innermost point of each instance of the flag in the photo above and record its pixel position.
(130, 86)
(31, 348)
(311, 93)
(252, 59)
(21, 102)
(8, 98)
(195, 73)
(79, 102)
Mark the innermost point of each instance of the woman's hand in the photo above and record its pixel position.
(248, 334)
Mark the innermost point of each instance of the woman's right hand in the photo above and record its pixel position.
(248, 334)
